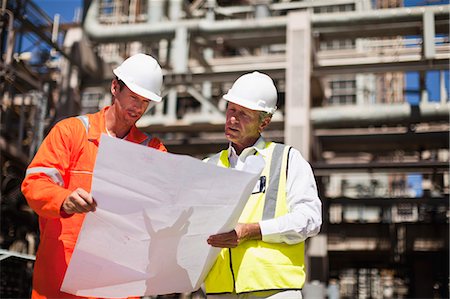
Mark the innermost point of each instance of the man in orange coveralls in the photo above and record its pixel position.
(58, 181)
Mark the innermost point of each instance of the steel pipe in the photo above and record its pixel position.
(126, 32)
(378, 114)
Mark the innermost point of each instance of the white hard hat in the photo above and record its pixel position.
(142, 75)
(255, 91)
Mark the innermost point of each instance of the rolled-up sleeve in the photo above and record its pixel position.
(304, 217)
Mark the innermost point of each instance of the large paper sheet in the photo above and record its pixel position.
(155, 212)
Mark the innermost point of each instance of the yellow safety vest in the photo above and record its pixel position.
(255, 265)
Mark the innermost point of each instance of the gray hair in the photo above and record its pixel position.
(263, 115)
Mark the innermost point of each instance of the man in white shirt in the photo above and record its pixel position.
(263, 257)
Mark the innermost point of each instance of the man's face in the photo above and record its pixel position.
(243, 125)
(130, 106)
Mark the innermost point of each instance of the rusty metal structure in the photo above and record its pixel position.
(340, 67)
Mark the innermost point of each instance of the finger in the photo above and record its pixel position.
(87, 198)
(222, 244)
(68, 208)
(225, 237)
(78, 209)
(223, 240)
(83, 208)
(84, 200)
(72, 207)
(76, 204)
(218, 240)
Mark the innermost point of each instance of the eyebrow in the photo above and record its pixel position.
(135, 96)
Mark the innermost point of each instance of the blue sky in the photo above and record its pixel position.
(66, 8)
(432, 77)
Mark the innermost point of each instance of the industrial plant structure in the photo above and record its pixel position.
(343, 70)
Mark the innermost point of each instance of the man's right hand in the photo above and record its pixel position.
(79, 201)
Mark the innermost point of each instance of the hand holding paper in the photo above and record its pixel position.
(154, 214)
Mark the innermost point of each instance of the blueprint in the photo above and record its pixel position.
(154, 214)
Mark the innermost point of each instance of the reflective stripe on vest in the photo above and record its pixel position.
(275, 168)
(52, 173)
(255, 265)
(274, 182)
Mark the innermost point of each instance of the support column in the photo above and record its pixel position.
(262, 11)
(297, 123)
(155, 11)
(208, 54)
(172, 104)
(298, 79)
(175, 9)
(180, 50)
(429, 49)
(443, 88)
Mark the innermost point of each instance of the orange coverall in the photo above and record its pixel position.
(64, 162)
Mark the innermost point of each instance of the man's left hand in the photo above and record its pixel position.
(242, 232)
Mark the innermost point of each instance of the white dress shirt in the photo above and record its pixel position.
(304, 216)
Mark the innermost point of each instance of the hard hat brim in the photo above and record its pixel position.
(248, 104)
(136, 88)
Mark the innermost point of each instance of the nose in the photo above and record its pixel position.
(233, 119)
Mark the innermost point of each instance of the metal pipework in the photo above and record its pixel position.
(126, 32)
(10, 37)
(378, 114)
(379, 16)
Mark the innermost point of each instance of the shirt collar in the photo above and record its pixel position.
(259, 146)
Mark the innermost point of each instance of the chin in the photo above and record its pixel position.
(134, 119)
(231, 138)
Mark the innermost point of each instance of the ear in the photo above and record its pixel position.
(115, 87)
(265, 123)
